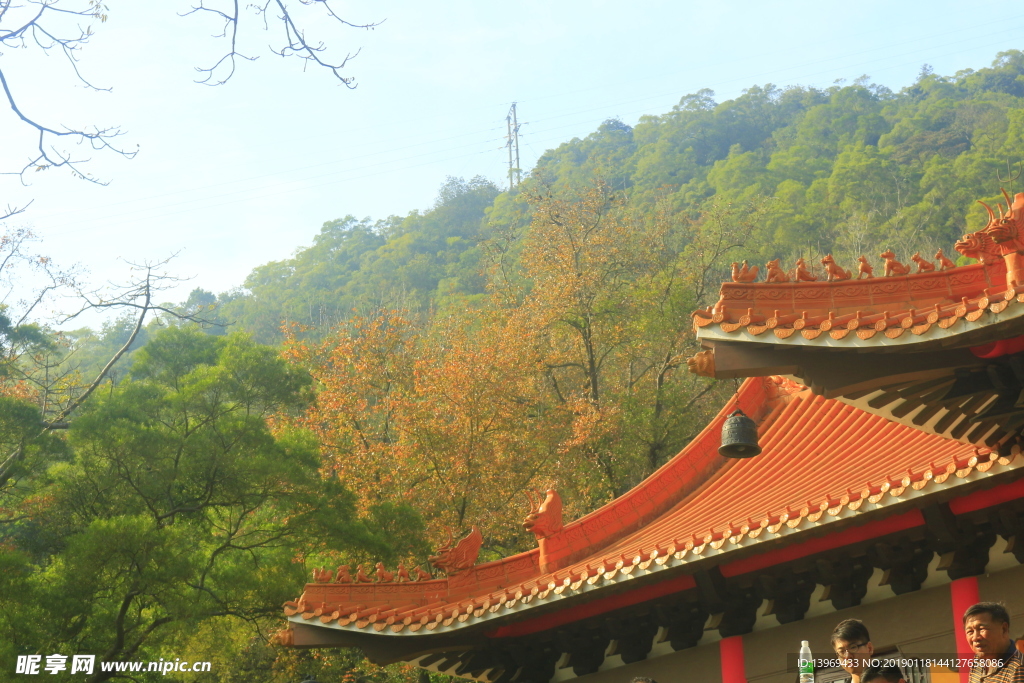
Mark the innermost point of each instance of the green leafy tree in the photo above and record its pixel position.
(181, 499)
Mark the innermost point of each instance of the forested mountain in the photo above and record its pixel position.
(850, 169)
(353, 264)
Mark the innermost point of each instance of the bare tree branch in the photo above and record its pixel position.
(106, 368)
(230, 27)
(137, 295)
(38, 24)
(12, 210)
(43, 25)
(293, 41)
(51, 156)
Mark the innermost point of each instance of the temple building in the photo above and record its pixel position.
(888, 408)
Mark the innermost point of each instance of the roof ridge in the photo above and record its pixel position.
(689, 470)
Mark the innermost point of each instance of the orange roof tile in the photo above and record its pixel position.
(888, 311)
(822, 460)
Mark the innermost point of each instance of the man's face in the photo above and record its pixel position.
(987, 636)
(853, 654)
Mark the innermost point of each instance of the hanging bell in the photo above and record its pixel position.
(739, 437)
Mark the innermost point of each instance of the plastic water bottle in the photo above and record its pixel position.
(806, 663)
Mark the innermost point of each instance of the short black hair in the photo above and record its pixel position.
(643, 679)
(996, 610)
(892, 674)
(851, 630)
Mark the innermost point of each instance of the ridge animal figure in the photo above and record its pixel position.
(1008, 229)
(702, 363)
(463, 556)
(944, 262)
(383, 575)
(863, 267)
(979, 245)
(545, 518)
(1001, 239)
(922, 265)
(342, 575)
(361, 576)
(421, 575)
(801, 274)
(892, 266)
(833, 272)
(744, 273)
(401, 573)
(321, 576)
(285, 636)
(775, 273)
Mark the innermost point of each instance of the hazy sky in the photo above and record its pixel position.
(238, 175)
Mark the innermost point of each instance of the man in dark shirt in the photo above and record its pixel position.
(987, 627)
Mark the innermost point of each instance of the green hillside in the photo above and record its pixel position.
(850, 169)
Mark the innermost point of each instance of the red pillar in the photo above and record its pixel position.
(963, 593)
(731, 652)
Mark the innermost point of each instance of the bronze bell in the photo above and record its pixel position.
(739, 437)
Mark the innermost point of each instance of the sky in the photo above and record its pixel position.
(227, 178)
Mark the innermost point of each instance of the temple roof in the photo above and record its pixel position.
(941, 350)
(897, 308)
(826, 465)
(961, 306)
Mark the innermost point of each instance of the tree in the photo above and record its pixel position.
(182, 500)
(608, 288)
(45, 376)
(422, 260)
(451, 418)
(480, 427)
(65, 27)
(568, 375)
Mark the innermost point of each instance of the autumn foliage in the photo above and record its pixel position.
(567, 376)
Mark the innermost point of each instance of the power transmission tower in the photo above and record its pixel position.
(512, 142)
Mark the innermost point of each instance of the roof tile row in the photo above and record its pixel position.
(891, 306)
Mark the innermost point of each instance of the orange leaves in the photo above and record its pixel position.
(451, 419)
(363, 373)
(590, 422)
(479, 422)
(583, 258)
(606, 312)
(20, 390)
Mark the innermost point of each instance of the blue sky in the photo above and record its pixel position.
(235, 176)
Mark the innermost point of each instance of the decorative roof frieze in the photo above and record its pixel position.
(902, 305)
